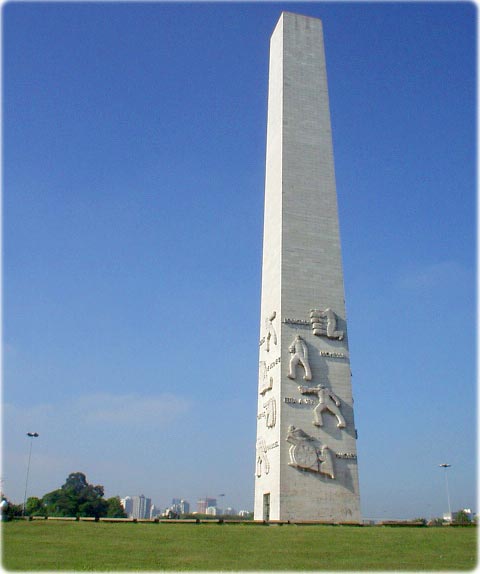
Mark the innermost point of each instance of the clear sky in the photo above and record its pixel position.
(133, 171)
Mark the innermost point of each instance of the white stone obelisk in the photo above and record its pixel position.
(306, 458)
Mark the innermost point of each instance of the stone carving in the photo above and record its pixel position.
(267, 382)
(270, 412)
(324, 323)
(268, 387)
(262, 460)
(299, 351)
(333, 355)
(327, 401)
(347, 455)
(271, 333)
(305, 455)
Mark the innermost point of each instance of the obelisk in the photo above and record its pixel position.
(306, 457)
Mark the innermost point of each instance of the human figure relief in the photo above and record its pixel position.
(262, 460)
(270, 412)
(267, 382)
(327, 401)
(299, 351)
(304, 454)
(271, 333)
(325, 323)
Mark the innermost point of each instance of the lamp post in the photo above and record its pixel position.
(32, 435)
(445, 466)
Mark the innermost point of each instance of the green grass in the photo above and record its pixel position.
(48, 545)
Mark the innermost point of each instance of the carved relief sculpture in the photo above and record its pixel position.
(327, 401)
(267, 382)
(324, 323)
(271, 333)
(304, 454)
(268, 386)
(299, 351)
(262, 460)
(270, 412)
(326, 461)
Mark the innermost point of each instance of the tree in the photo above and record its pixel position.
(76, 498)
(420, 520)
(60, 503)
(461, 517)
(115, 508)
(76, 482)
(13, 510)
(34, 507)
(96, 507)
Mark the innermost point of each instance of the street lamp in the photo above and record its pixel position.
(31, 435)
(445, 466)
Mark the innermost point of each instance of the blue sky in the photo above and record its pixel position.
(133, 173)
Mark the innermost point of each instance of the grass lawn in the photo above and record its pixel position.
(48, 545)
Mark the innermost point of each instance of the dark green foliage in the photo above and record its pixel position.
(114, 508)
(78, 498)
(34, 507)
(59, 503)
(13, 510)
(76, 482)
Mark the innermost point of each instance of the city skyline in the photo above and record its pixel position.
(135, 508)
(134, 141)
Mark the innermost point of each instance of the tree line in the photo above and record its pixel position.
(75, 498)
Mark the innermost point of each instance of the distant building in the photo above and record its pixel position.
(141, 506)
(154, 511)
(127, 504)
(244, 513)
(175, 506)
(204, 503)
(184, 507)
(179, 506)
(138, 507)
(211, 510)
(230, 511)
